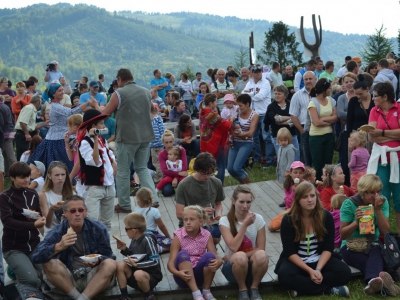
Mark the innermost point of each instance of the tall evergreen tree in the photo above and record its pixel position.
(280, 46)
(378, 45)
(241, 58)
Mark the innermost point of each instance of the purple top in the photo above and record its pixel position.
(359, 160)
(8, 92)
(336, 219)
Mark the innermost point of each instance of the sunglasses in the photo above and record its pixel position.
(126, 229)
(80, 210)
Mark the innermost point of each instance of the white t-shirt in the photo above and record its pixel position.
(151, 216)
(40, 182)
(251, 231)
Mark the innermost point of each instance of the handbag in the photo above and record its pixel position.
(357, 244)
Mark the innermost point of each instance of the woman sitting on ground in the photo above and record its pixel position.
(369, 262)
(244, 234)
(306, 265)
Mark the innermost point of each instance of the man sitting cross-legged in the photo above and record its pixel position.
(61, 248)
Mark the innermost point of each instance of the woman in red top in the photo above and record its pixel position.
(22, 99)
(334, 184)
(214, 132)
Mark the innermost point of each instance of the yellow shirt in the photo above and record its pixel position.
(325, 111)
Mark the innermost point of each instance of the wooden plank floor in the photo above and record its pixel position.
(268, 194)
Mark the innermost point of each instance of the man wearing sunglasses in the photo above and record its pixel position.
(93, 93)
(61, 250)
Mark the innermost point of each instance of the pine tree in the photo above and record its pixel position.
(280, 46)
(241, 58)
(378, 45)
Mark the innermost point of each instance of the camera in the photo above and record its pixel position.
(101, 131)
(80, 273)
(51, 67)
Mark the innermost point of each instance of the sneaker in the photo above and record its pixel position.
(342, 291)
(255, 294)
(156, 204)
(374, 286)
(282, 205)
(208, 296)
(293, 293)
(243, 295)
(388, 284)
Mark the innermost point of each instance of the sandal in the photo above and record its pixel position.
(208, 296)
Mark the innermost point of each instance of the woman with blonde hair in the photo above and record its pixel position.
(306, 265)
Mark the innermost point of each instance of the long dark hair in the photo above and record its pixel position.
(231, 214)
(182, 121)
(322, 85)
(296, 214)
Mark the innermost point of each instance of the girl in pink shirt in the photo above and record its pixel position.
(189, 262)
(359, 157)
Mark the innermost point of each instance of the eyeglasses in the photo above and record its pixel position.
(74, 210)
(334, 169)
(206, 174)
(379, 192)
(95, 87)
(126, 229)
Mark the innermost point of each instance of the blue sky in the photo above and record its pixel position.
(355, 16)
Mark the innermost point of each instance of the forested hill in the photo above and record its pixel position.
(87, 40)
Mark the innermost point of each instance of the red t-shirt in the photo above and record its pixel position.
(328, 192)
(392, 118)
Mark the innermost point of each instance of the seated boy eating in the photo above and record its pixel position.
(145, 274)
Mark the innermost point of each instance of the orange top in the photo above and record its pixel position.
(17, 107)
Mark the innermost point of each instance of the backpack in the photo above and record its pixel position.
(391, 253)
(307, 125)
(18, 291)
(227, 85)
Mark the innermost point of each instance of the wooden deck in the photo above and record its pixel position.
(268, 195)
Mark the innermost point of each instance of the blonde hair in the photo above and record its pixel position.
(20, 84)
(200, 212)
(360, 136)
(284, 133)
(330, 170)
(369, 182)
(145, 196)
(336, 88)
(337, 201)
(75, 120)
(167, 133)
(176, 150)
(351, 75)
(308, 173)
(137, 221)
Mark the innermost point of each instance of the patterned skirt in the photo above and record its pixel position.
(51, 150)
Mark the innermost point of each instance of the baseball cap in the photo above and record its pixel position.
(40, 166)
(256, 69)
(297, 164)
(356, 59)
(93, 84)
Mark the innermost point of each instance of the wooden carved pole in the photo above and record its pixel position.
(318, 38)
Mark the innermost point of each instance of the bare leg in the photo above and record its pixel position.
(143, 280)
(216, 241)
(123, 273)
(58, 275)
(101, 279)
(259, 261)
(208, 278)
(187, 266)
(240, 268)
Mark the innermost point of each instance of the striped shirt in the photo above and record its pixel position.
(158, 129)
(308, 249)
(245, 126)
(196, 247)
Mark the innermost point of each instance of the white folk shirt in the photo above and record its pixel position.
(260, 93)
(86, 151)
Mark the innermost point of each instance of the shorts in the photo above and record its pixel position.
(133, 283)
(227, 271)
(81, 283)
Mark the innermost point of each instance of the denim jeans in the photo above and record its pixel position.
(295, 143)
(221, 164)
(237, 157)
(138, 154)
(168, 190)
(269, 147)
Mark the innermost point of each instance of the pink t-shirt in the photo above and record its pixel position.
(196, 247)
(392, 119)
(289, 197)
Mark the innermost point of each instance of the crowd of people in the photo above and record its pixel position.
(75, 154)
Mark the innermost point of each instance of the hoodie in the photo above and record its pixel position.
(387, 74)
(19, 233)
